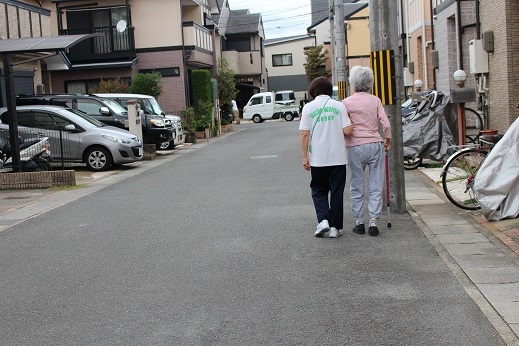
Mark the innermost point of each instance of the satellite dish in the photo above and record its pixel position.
(121, 26)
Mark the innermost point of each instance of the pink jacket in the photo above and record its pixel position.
(366, 113)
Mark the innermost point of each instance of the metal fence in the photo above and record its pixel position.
(60, 144)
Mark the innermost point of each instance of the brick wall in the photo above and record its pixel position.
(495, 16)
(173, 99)
(37, 180)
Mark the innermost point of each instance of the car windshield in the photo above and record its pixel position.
(86, 117)
(148, 105)
(115, 107)
(151, 106)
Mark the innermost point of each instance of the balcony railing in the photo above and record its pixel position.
(112, 46)
(198, 36)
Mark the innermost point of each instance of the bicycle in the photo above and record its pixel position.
(460, 170)
(473, 123)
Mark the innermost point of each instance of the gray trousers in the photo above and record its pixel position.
(372, 156)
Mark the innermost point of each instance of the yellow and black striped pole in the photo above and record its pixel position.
(383, 66)
(342, 90)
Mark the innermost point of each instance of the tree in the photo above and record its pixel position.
(226, 86)
(147, 84)
(315, 59)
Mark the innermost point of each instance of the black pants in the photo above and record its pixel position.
(329, 181)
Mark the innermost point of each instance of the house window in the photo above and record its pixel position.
(100, 21)
(86, 86)
(81, 87)
(239, 44)
(282, 59)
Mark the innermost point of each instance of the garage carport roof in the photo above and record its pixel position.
(42, 47)
(41, 44)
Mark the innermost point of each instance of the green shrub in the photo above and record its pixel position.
(147, 84)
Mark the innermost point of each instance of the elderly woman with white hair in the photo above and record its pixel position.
(365, 147)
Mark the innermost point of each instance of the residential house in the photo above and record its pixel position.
(171, 37)
(499, 29)
(21, 19)
(419, 45)
(474, 36)
(242, 40)
(285, 61)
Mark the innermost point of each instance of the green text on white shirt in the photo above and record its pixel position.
(325, 110)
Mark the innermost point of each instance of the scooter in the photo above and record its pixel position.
(34, 155)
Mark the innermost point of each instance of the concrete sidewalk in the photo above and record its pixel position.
(483, 255)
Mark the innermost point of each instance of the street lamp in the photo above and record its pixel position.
(460, 76)
(418, 84)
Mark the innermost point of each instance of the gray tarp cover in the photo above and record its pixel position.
(432, 132)
(497, 181)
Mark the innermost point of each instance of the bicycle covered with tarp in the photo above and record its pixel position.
(496, 183)
(431, 131)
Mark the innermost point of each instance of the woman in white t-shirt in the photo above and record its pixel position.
(324, 123)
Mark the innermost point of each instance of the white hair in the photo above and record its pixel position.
(361, 78)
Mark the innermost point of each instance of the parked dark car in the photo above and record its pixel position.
(149, 105)
(155, 129)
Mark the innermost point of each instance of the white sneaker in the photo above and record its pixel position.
(322, 228)
(334, 233)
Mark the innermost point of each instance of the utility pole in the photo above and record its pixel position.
(384, 38)
(331, 6)
(340, 55)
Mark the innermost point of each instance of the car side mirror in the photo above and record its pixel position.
(70, 127)
(104, 111)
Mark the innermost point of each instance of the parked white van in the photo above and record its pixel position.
(271, 105)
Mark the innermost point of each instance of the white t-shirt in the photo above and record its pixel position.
(234, 105)
(327, 145)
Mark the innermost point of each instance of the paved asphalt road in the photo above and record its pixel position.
(216, 247)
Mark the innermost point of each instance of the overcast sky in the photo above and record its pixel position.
(280, 17)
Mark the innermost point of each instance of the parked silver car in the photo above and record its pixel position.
(75, 136)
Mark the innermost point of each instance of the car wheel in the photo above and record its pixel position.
(289, 116)
(256, 119)
(98, 159)
(166, 145)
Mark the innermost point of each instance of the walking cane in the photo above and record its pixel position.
(388, 197)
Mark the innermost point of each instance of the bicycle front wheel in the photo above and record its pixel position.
(458, 177)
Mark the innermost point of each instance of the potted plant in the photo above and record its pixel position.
(226, 119)
(189, 125)
(202, 118)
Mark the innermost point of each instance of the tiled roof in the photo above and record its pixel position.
(243, 22)
(321, 10)
(285, 39)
